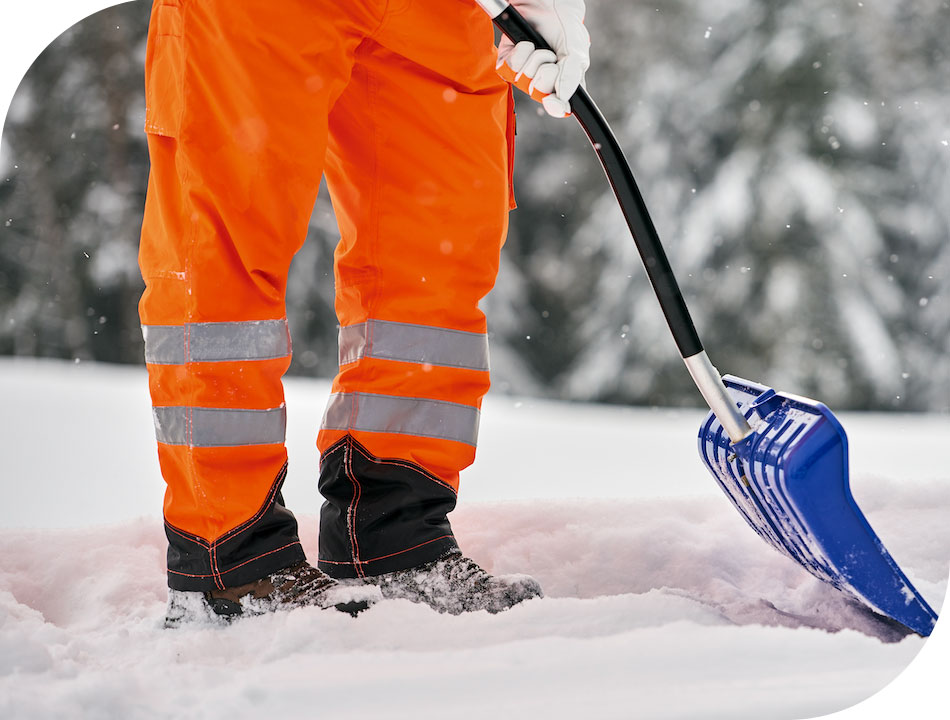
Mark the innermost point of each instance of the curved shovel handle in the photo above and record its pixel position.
(634, 209)
(611, 156)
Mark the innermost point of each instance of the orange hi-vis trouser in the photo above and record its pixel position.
(248, 104)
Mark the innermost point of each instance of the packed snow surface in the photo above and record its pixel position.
(660, 601)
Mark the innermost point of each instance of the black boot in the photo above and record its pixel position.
(300, 585)
(455, 584)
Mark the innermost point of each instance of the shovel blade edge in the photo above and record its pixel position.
(789, 480)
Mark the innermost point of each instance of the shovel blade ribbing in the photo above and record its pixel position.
(789, 480)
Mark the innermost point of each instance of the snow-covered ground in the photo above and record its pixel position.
(661, 603)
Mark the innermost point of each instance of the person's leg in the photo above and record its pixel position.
(418, 166)
(238, 95)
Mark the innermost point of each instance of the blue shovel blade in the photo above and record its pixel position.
(789, 480)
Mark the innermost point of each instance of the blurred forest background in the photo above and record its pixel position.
(795, 156)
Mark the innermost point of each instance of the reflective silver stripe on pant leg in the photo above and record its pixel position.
(405, 342)
(216, 342)
(164, 344)
(402, 415)
(219, 427)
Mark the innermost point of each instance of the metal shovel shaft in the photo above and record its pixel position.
(634, 209)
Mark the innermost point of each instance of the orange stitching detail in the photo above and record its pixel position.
(281, 476)
(176, 572)
(330, 450)
(351, 511)
(245, 526)
(191, 538)
(427, 542)
(384, 557)
(213, 558)
(212, 547)
(256, 557)
(269, 552)
(406, 464)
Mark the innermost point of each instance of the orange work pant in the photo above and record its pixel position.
(248, 104)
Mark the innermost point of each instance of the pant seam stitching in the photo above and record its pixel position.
(351, 510)
(360, 564)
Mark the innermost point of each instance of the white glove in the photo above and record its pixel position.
(555, 76)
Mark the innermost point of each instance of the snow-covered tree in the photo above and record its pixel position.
(794, 158)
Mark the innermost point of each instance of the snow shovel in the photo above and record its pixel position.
(781, 459)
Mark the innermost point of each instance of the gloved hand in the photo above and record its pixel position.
(550, 78)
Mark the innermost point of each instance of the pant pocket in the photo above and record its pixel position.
(164, 70)
(510, 135)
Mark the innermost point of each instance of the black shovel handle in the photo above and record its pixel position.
(512, 24)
